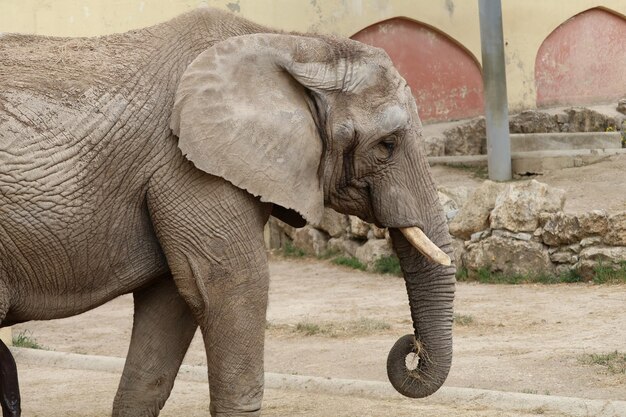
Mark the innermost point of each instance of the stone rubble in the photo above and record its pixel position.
(516, 228)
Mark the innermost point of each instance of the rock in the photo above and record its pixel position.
(518, 236)
(595, 222)
(459, 194)
(458, 249)
(358, 228)
(590, 241)
(533, 121)
(277, 233)
(310, 240)
(564, 257)
(450, 208)
(560, 229)
(475, 237)
(592, 257)
(467, 139)
(518, 207)
(343, 246)
(581, 119)
(616, 234)
(376, 232)
(474, 215)
(333, 223)
(508, 256)
(372, 250)
(435, 146)
(621, 106)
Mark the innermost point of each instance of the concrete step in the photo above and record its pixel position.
(528, 142)
(536, 161)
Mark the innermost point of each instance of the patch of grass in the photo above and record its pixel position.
(292, 251)
(463, 320)
(529, 391)
(328, 254)
(462, 274)
(24, 339)
(610, 275)
(388, 265)
(361, 327)
(350, 262)
(612, 362)
(486, 276)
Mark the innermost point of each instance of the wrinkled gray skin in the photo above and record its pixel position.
(97, 199)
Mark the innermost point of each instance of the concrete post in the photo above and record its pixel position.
(494, 81)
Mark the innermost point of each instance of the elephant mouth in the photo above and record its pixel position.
(418, 239)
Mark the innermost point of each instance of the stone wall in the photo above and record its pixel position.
(514, 228)
(469, 137)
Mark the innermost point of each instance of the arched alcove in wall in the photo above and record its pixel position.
(445, 78)
(583, 61)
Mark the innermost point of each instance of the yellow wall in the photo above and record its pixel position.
(526, 23)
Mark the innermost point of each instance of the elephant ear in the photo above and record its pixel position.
(242, 114)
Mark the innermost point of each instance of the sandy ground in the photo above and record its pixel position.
(524, 338)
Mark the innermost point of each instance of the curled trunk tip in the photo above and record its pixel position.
(410, 369)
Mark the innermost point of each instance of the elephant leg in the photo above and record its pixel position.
(9, 384)
(216, 253)
(162, 331)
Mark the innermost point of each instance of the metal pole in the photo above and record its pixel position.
(494, 81)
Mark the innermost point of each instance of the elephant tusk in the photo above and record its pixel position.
(422, 243)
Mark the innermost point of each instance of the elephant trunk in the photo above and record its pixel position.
(418, 363)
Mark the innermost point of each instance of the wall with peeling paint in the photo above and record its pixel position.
(526, 23)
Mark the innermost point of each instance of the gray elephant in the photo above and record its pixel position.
(150, 161)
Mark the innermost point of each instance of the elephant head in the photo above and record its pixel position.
(304, 122)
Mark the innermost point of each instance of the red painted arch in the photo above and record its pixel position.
(583, 61)
(445, 78)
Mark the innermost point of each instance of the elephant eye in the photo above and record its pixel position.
(389, 145)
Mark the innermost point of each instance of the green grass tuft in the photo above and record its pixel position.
(463, 320)
(292, 251)
(350, 262)
(24, 340)
(361, 327)
(486, 276)
(612, 362)
(388, 265)
(610, 275)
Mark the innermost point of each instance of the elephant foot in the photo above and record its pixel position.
(9, 385)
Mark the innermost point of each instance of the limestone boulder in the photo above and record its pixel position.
(616, 234)
(474, 215)
(358, 228)
(459, 194)
(508, 256)
(333, 223)
(594, 256)
(458, 249)
(560, 229)
(466, 139)
(343, 246)
(435, 145)
(533, 121)
(581, 119)
(277, 233)
(372, 250)
(594, 222)
(621, 106)
(519, 206)
(311, 240)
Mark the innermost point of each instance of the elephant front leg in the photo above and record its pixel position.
(162, 331)
(212, 236)
(9, 385)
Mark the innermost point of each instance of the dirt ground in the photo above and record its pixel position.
(523, 338)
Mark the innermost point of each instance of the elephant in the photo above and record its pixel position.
(149, 163)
